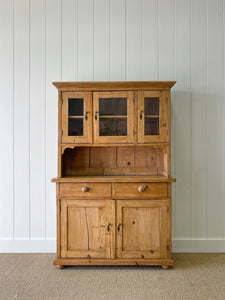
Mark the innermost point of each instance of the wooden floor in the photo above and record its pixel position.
(32, 276)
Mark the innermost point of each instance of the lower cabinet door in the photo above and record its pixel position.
(86, 230)
(141, 229)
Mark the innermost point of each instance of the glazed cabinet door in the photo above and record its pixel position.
(113, 117)
(152, 116)
(76, 117)
(86, 228)
(142, 228)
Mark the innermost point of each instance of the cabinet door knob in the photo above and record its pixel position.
(96, 115)
(142, 188)
(118, 227)
(85, 189)
(141, 115)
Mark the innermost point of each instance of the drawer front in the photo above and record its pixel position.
(85, 190)
(141, 190)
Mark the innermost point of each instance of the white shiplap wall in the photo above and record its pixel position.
(76, 40)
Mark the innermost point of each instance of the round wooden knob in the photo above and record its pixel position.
(142, 188)
(84, 189)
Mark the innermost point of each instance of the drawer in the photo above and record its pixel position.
(85, 190)
(141, 190)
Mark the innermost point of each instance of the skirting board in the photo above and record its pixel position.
(198, 246)
(49, 246)
(27, 246)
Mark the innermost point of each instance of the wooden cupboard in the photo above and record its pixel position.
(114, 182)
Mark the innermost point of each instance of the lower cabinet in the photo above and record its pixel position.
(121, 229)
(86, 228)
(142, 229)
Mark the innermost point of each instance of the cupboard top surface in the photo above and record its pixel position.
(106, 178)
(113, 85)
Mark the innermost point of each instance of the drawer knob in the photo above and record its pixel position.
(142, 188)
(85, 189)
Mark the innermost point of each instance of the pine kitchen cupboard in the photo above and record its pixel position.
(114, 181)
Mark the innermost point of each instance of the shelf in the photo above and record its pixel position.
(105, 178)
(151, 116)
(76, 117)
(111, 116)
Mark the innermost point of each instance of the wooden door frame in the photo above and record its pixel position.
(130, 117)
(163, 126)
(87, 124)
(162, 204)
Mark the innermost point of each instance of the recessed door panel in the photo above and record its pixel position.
(141, 229)
(86, 228)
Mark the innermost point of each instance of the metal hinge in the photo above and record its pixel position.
(61, 132)
(133, 132)
(133, 100)
(61, 100)
(167, 247)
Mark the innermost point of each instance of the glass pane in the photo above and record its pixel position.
(75, 127)
(113, 106)
(112, 126)
(151, 126)
(75, 107)
(151, 106)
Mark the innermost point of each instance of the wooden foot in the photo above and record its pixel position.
(60, 266)
(166, 267)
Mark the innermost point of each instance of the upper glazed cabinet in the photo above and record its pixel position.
(76, 117)
(152, 118)
(114, 117)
